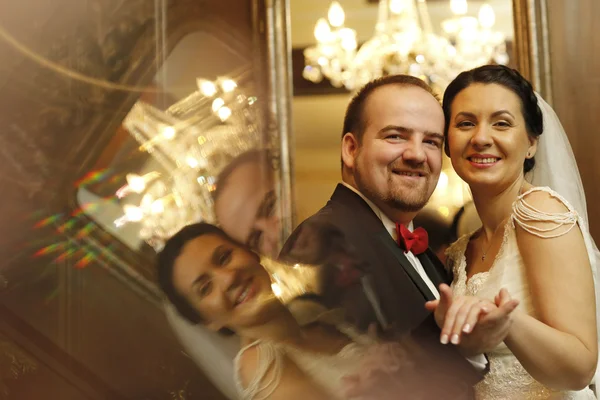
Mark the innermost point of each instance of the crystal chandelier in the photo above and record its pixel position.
(189, 144)
(404, 43)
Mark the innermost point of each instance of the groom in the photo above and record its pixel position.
(391, 160)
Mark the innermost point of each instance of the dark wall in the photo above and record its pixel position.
(575, 62)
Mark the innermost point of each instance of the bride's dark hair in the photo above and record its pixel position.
(510, 79)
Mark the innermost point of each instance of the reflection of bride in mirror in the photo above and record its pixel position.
(298, 351)
(245, 207)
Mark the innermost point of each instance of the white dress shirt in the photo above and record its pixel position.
(478, 361)
(390, 226)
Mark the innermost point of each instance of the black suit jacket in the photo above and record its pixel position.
(401, 292)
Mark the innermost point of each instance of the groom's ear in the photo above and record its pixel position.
(350, 147)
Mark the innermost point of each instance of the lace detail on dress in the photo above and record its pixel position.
(508, 380)
(457, 253)
(524, 213)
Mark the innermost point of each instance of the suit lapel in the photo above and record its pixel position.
(385, 238)
(434, 268)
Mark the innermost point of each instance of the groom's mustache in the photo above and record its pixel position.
(403, 167)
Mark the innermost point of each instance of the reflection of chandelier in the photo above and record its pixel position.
(403, 43)
(190, 143)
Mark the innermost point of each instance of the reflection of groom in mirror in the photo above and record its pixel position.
(391, 161)
(245, 202)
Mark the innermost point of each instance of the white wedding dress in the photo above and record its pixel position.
(507, 379)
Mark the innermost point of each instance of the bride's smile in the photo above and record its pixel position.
(224, 282)
(488, 138)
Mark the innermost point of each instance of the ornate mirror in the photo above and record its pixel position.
(120, 115)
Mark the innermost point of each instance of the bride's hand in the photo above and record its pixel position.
(492, 328)
(456, 316)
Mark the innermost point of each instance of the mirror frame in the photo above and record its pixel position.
(532, 44)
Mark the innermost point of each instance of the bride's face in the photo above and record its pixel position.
(487, 136)
(224, 282)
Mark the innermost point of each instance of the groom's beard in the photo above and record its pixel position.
(404, 198)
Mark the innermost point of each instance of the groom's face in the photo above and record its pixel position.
(398, 161)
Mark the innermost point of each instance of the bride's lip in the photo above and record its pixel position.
(246, 293)
(483, 161)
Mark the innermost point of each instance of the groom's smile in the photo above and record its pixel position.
(399, 159)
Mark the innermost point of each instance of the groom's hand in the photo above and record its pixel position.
(492, 328)
(440, 307)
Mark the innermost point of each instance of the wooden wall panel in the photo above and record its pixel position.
(575, 63)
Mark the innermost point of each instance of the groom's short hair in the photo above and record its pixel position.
(354, 120)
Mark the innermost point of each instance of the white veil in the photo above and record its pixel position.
(556, 168)
(213, 353)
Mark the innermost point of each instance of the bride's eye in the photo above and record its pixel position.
(465, 124)
(503, 124)
(205, 289)
(224, 257)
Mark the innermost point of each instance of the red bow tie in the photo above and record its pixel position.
(415, 241)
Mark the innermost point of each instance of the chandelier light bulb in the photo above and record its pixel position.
(459, 7)
(133, 213)
(228, 85)
(136, 183)
(487, 17)
(396, 6)
(336, 15)
(146, 201)
(192, 162)
(207, 88)
(121, 221)
(348, 39)
(217, 103)
(157, 207)
(168, 132)
(224, 113)
(322, 31)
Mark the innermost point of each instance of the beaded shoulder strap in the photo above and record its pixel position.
(260, 388)
(524, 214)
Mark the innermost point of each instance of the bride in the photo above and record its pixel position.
(534, 240)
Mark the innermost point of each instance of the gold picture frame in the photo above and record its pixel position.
(532, 44)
